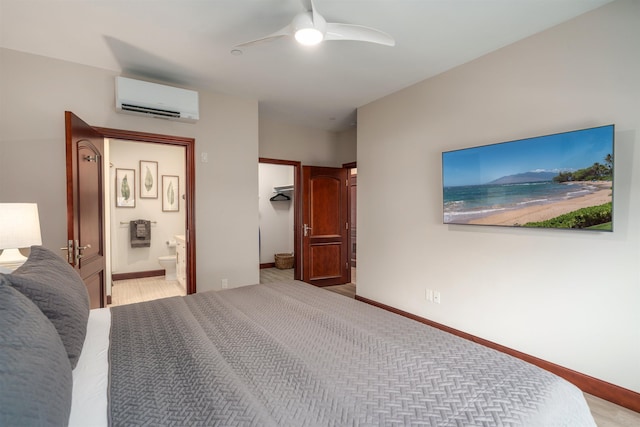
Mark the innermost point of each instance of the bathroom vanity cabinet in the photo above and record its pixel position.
(181, 260)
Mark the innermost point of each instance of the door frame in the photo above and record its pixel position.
(350, 202)
(189, 146)
(297, 211)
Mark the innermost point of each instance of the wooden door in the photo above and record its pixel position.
(85, 206)
(325, 227)
(353, 208)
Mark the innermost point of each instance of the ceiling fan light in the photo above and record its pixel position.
(309, 36)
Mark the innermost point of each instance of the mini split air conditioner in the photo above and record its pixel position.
(156, 100)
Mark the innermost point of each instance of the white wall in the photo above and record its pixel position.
(165, 225)
(312, 147)
(35, 92)
(346, 144)
(276, 217)
(568, 297)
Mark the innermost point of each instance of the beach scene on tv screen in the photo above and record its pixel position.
(562, 181)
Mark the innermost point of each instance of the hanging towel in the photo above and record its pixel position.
(141, 230)
(140, 233)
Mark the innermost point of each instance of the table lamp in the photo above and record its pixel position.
(19, 228)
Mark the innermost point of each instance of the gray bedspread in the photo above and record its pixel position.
(289, 354)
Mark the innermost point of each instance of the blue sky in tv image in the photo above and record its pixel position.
(482, 180)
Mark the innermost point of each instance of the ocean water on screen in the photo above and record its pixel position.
(464, 203)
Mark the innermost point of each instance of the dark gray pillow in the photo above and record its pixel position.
(35, 374)
(57, 289)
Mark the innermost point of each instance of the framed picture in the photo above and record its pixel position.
(170, 193)
(148, 179)
(125, 188)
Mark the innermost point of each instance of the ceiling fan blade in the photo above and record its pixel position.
(283, 32)
(317, 18)
(307, 5)
(358, 33)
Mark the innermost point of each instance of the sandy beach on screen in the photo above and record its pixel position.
(537, 213)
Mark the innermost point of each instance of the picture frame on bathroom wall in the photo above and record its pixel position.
(148, 179)
(125, 188)
(170, 193)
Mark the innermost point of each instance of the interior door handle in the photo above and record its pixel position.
(78, 251)
(306, 230)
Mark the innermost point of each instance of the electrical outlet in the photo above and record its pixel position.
(225, 283)
(428, 295)
(436, 297)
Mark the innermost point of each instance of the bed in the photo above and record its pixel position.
(286, 354)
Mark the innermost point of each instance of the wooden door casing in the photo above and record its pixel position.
(297, 267)
(325, 219)
(190, 189)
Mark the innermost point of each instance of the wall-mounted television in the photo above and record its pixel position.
(564, 181)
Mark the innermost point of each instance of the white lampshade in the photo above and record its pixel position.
(19, 228)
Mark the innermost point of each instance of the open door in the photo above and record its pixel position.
(85, 206)
(325, 229)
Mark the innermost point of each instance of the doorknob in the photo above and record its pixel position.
(306, 229)
(79, 250)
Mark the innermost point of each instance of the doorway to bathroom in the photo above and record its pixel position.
(146, 220)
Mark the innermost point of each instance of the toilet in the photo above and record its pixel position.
(168, 262)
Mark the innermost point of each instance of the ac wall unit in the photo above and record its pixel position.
(156, 100)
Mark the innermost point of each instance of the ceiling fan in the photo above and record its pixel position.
(310, 28)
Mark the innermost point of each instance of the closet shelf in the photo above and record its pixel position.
(283, 188)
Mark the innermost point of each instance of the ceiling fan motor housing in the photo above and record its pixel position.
(307, 30)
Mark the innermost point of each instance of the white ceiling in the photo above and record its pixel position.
(189, 42)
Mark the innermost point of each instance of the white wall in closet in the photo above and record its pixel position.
(276, 217)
